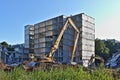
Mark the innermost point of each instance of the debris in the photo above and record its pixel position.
(114, 62)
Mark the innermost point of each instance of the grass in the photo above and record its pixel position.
(70, 73)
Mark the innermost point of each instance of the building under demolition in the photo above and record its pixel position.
(41, 37)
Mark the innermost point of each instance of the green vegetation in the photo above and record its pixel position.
(101, 49)
(111, 46)
(105, 49)
(69, 73)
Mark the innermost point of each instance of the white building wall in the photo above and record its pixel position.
(88, 38)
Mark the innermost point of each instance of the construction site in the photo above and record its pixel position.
(61, 44)
(59, 40)
(64, 38)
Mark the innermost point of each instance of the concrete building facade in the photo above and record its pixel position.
(29, 39)
(46, 32)
(86, 45)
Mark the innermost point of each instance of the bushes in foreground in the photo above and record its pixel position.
(70, 73)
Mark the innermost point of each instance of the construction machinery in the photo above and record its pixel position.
(49, 56)
(95, 57)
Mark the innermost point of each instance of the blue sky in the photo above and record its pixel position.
(15, 14)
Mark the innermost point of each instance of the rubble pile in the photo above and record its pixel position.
(114, 62)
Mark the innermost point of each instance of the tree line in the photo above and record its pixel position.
(105, 48)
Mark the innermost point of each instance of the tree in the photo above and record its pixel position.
(111, 45)
(101, 49)
(4, 43)
(9, 47)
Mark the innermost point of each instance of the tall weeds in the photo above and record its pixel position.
(69, 73)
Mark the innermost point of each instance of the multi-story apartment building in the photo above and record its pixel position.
(29, 40)
(46, 32)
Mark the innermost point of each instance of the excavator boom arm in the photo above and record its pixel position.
(56, 44)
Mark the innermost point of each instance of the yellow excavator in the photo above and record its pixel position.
(49, 58)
